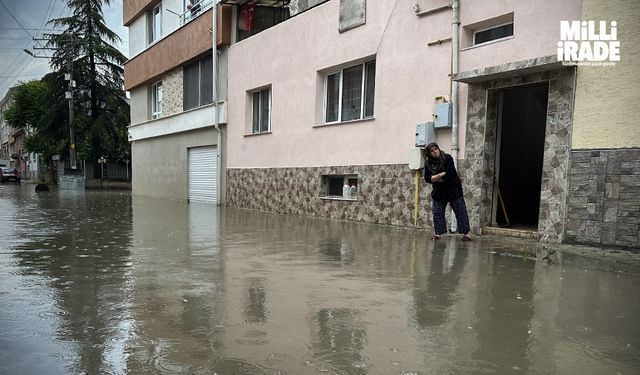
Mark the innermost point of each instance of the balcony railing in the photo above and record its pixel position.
(197, 8)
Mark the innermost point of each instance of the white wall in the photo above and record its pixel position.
(138, 28)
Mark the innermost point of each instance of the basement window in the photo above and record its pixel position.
(339, 186)
(492, 33)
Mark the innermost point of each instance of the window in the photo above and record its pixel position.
(349, 93)
(156, 100)
(492, 33)
(253, 19)
(261, 119)
(197, 83)
(155, 24)
(344, 186)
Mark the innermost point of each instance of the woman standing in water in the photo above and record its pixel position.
(440, 172)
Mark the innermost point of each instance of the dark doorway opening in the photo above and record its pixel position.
(522, 117)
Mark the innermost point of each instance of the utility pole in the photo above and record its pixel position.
(72, 131)
(68, 95)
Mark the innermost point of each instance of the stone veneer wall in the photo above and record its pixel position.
(172, 93)
(604, 198)
(385, 193)
(477, 169)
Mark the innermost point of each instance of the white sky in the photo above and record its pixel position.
(32, 15)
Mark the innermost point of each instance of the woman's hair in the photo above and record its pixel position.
(432, 145)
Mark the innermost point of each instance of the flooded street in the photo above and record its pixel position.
(106, 283)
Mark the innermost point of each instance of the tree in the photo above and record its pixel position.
(85, 48)
(39, 108)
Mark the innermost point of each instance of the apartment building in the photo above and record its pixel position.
(319, 103)
(178, 117)
(347, 82)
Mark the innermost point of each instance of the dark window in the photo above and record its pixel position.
(345, 186)
(494, 33)
(335, 185)
(262, 19)
(197, 83)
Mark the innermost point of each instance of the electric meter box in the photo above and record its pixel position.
(425, 133)
(443, 115)
(416, 159)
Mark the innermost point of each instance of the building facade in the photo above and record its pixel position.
(320, 102)
(177, 118)
(348, 81)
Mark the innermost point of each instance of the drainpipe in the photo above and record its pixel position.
(454, 92)
(454, 84)
(216, 124)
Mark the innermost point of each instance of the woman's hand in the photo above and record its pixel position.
(438, 177)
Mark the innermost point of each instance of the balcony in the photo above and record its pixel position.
(193, 119)
(177, 48)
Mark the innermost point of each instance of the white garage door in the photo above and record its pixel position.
(203, 174)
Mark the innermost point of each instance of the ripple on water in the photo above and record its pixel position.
(253, 337)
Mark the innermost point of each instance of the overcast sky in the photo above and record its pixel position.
(31, 18)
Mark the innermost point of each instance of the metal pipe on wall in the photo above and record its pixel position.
(455, 5)
(216, 124)
(454, 85)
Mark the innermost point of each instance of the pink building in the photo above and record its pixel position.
(332, 96)
(318, 102)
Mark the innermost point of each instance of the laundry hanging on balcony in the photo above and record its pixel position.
(247, 15)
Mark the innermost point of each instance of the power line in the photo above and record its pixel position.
(24, 75)
(23, 28)
(15, 19)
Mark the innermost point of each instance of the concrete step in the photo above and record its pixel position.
(511, 232)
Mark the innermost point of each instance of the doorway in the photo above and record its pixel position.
(521, 125)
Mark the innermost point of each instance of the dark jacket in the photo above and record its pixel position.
(450, 188)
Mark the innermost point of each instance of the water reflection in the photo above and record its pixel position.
(338, 336)
(103, 283)
(435, 291)
(504, 310)
(88, 277)
(255, 309)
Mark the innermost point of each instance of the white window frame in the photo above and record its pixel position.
(473, 37)
(155, 28)
(156, 100)
(340, 84)
(260, 93)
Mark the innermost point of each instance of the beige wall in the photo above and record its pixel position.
(159, 167)
(607, 98)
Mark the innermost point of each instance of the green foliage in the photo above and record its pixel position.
(101, 110)
(26, 108)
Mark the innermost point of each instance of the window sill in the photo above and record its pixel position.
(337, 198)
(255, 134)
(487, 43)
(344, 122)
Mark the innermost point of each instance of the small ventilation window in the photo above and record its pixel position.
(339, 186)
(492, 33)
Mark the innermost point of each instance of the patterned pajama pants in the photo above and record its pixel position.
(459, 209)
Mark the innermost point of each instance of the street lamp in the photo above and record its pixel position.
(102, 162)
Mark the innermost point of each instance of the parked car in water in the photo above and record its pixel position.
(9, 174)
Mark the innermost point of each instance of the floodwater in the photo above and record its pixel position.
(106, 283)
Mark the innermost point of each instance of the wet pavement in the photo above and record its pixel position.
(106, 283)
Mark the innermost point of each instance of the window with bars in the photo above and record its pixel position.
(349, 93)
